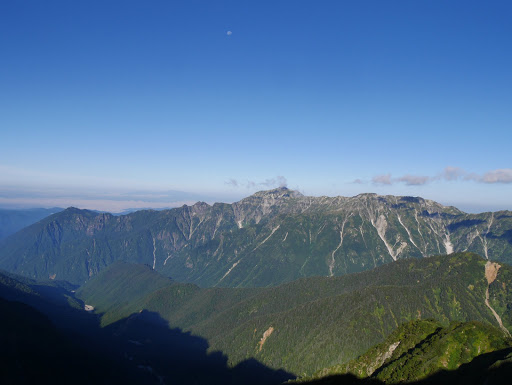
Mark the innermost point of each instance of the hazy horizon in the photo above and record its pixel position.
(121, 105)
(122, 202)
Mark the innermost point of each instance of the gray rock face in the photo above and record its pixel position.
(265, 239)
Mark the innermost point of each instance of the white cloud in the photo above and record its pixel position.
(278, 181)
(450, 173)
(503, 175)
(229, 33)
(382, 179)
(453, 173)
(232, 182)
(414, 180)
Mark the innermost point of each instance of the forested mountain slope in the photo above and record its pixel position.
(314, 323)
(418, 349)
(268, 238)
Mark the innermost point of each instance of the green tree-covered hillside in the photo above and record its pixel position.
(418, 349)
(313, 323)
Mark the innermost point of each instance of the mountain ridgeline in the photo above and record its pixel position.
(266, 239)
(12, 221)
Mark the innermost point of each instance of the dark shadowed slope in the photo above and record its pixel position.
(318, 322)
(139, 349)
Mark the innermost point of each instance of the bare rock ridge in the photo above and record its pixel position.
(265, 239)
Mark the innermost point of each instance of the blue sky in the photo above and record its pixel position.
(118, 104)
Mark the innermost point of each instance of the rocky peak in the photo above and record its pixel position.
(277, 193)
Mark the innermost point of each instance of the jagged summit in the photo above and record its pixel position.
(280, 192)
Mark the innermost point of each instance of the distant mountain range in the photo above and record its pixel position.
(12, 221)
(268, 238)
